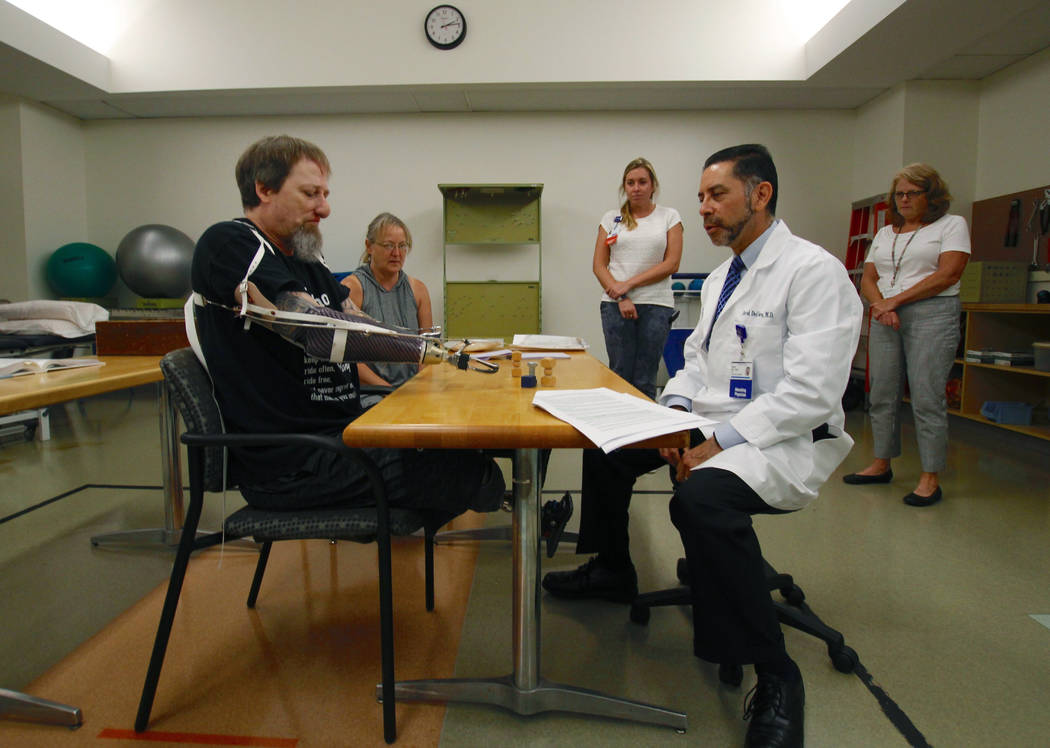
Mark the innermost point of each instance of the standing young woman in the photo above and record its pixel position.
(911, 280)
(637, 249)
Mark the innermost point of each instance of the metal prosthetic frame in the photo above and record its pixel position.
(348, 337)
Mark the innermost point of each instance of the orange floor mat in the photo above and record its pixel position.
(299, 670)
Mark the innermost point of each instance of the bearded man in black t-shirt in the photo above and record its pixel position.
(266, 381)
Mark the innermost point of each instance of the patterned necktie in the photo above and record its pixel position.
(732, 280)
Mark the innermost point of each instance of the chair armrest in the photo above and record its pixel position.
(318, 441)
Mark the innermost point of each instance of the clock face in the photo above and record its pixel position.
(445, 26)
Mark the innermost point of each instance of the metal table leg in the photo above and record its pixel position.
(524, 691)
(171, 473)
(20, 706)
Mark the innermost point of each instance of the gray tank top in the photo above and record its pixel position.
(395, 307)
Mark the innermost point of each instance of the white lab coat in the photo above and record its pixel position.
(802, 317)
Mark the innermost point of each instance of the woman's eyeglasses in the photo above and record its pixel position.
(910, 194)
(390, 246)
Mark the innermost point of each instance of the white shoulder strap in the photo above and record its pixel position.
(195, 299)
(190, 319)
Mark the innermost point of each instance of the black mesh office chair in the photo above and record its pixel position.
(792, 611)
(191, 390)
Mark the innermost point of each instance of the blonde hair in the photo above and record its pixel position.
(938, 199)
(376, 227)
(629, 221)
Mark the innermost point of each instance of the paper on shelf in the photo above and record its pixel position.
(16, 367)
(549, 342)
(613, 419)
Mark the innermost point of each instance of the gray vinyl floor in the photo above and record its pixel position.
(942, 604)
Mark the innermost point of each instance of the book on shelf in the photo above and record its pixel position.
(17, 367)
(1013, 358)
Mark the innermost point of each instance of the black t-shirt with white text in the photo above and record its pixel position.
(264, 383)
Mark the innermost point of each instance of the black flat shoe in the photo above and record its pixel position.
(913, 499)
(856, 479)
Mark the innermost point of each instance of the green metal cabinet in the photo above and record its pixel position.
(491, 230)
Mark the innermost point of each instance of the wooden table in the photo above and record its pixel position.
(40, 390)
(117, 373)
(444, 408)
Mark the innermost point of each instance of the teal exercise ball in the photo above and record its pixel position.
(696, 284)
(81, 270)
(678, 286)
(154, 261)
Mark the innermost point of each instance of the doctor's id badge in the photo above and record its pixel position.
(741, 378)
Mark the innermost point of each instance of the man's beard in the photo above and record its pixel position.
(306, 243)
(732, 231)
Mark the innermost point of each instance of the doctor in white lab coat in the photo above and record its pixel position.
(768, 362)
(800, 316)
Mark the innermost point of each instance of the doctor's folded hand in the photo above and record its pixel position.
(685, 461)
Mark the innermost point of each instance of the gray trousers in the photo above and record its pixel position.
(924, 350)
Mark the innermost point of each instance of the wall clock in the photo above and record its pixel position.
(445, 26)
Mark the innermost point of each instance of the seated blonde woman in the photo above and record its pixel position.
(382, 289)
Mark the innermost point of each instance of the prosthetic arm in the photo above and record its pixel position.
(349, 336)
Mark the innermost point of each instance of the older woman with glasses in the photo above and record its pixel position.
(381, 288)
(911, 280)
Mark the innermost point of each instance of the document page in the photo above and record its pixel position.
(612, 419)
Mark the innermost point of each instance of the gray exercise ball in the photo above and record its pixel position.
(154, 261)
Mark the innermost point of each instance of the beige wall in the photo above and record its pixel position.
(940, 128)
(54, 189)
(1013, 153)
(931, 121)
(12, 206)
(878, 143)
(192, 45)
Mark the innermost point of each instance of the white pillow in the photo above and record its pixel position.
(69, 319)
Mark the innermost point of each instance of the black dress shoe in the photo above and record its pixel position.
(913, 499)
(593, 579)
(856, 479)
(775, 708)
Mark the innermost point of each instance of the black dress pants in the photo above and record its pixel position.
(605, 497)
(734, 620)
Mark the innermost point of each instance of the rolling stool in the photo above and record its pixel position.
(792, 611)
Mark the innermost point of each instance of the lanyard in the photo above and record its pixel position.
(893, 255)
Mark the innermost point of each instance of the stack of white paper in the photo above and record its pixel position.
(549, 342)
(612, 419)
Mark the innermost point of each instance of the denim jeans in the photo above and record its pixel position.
(635, 345)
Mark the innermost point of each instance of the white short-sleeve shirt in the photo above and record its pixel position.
(638, 250)
(917, 252)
